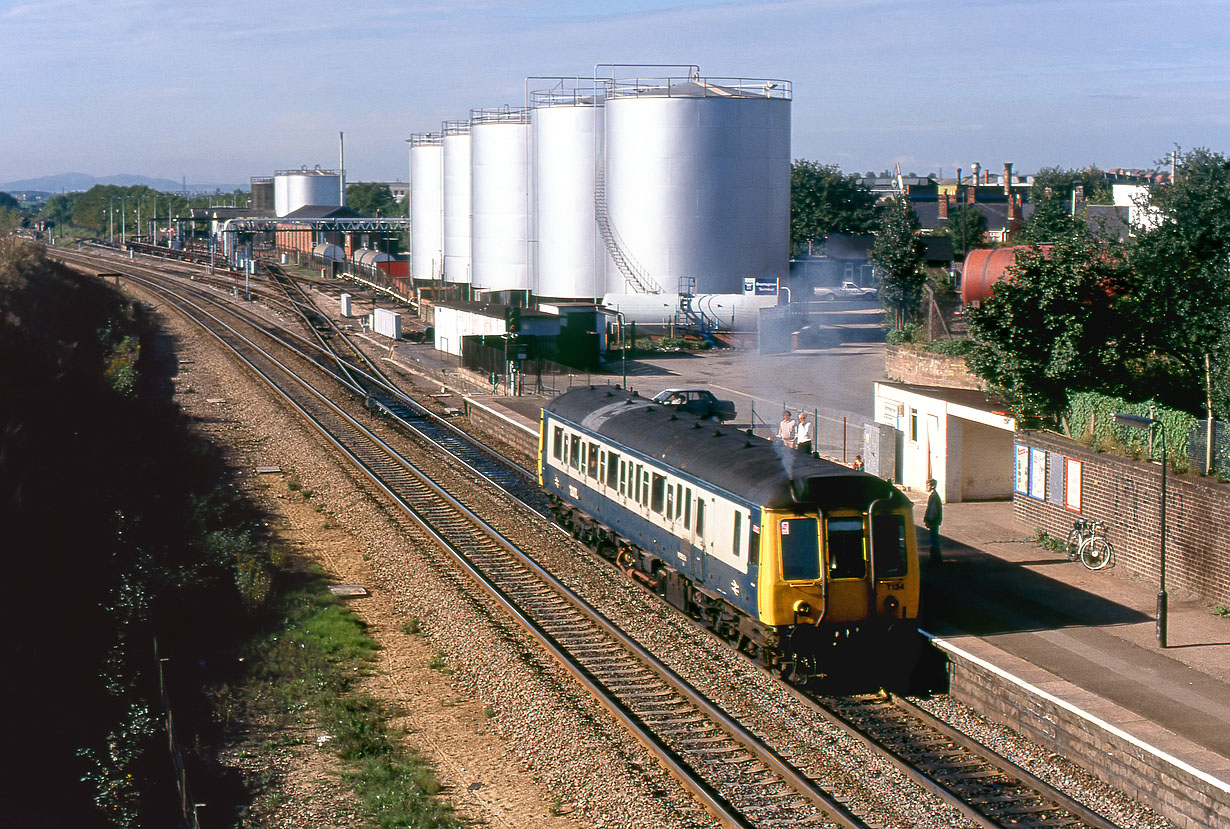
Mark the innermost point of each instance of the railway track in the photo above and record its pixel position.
(729, 771)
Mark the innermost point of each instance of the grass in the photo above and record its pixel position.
(412, 626)
(307, 669)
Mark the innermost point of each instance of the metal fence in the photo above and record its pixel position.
(1198, 457)
(838, 435)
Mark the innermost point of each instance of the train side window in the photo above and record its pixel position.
(800, 544)
(890, 552)
(645, 488)
(557, 443)
(670, 502)
(657, 491)
(753, 544)
(574, 452)
(637, 495)
(601, 465)
(700, 517)
(592, 467)
(738, 535)
(623, 478)
(687, 509)
(846, 548)
(613, 477)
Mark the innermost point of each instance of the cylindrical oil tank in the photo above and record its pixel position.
(325, 252)
(456, 201)
(697, 179)
(262, 193)
(567, 258)
(986, 266)
(426, 205)
(499, 194)
(366, 258)
(293, 189)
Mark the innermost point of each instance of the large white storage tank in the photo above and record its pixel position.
(426, 205)
(697, 179)
(567, 257)
(456, 201)
(293, 189)
(499, 155)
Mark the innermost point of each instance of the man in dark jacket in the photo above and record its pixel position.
(932, 518)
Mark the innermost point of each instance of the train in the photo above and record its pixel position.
(801, 562)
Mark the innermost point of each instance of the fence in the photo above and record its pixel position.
(838, 435)
(533, 376)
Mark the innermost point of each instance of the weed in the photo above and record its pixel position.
(308, 493)
(328, 526)
(437, 663)
(489, 712)
(1221, 610)
(557, 806)
(294, 486)
(412, 626)
(320, 507)
(1044, 539)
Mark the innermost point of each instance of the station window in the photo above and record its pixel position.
(592, 468)
(613, 478)
(700, 517)
(914, 425)
(557, 443)
(574, 452)
(658, 493)
(687, 509)
(738, 534)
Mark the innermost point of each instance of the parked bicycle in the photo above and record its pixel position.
(1088, 543)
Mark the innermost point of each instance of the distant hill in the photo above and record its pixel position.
(69, 182)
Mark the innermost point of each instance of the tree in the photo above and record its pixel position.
(967, 227)
(1182, 263)
(1050, 221)
(7, 201)
(371, 198)
(1058, 323)
(823, 201)
(1061, 183)
(898, 257)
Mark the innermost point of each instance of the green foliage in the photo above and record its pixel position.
(1047, 541)
(1089, 419)
(1056, 325)
(823, 201)
(1050, 221)
(908, 333)
(953, 348)
(1061, 183)
(968, 229)
(898, 257)
(371, 199)
(1182, 264)
(7, 202)
(1221, 610)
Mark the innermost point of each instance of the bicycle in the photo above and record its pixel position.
(1088, 543)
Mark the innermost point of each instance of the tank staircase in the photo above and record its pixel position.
(690, 318)
(637, 277)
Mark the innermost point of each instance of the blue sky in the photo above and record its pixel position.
(224, 90)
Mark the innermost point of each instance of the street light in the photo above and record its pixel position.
(1141, 422)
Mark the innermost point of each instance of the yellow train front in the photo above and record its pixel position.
(799, 560)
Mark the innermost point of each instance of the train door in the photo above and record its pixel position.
(846, 562)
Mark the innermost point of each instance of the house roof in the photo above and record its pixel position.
(322, 211)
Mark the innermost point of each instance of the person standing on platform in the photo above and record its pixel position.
(932, 518)
(802, 435)
(785, 430)
(857, 466)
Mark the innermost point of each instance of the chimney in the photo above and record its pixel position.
(943, 203)
(1008, 180)
(1011, 203)
(976, 168)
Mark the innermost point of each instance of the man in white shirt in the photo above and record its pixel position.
(785, 430)
(802, 435)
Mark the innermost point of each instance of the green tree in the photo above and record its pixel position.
(1050, 221)
(823, 201)
(372, 199)
(1057, 324)
(968, 229)
(898, 257)
(7, 201)
(59, 209)
(1060, 183)
(1182, 263)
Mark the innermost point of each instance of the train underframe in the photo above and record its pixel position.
(800, 653)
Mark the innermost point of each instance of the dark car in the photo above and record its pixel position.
(700, 402)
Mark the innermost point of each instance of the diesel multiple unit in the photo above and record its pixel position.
(782, 553)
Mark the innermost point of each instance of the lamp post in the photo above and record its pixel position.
(1141, 422)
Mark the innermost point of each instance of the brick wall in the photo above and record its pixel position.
(924, 368)
(1126, 494)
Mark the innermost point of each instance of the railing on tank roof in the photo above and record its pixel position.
(304, 171)
(425, 139)
(455, 128)
(695, 86)
(505, 114)
(567, 91)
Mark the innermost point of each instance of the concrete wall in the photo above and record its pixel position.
(1126, 493)
(985, 455)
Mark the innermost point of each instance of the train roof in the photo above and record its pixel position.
(760, 471)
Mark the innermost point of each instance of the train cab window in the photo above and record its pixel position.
(557, 443)
(613, 478)
(574, 452)
(800, 543)
(847, 554)
(670, 502)
(738, 536)
(700, 517)
(890, 552)
(687, 509)
(592, 466)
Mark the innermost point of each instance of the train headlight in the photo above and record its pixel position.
(802, 608)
